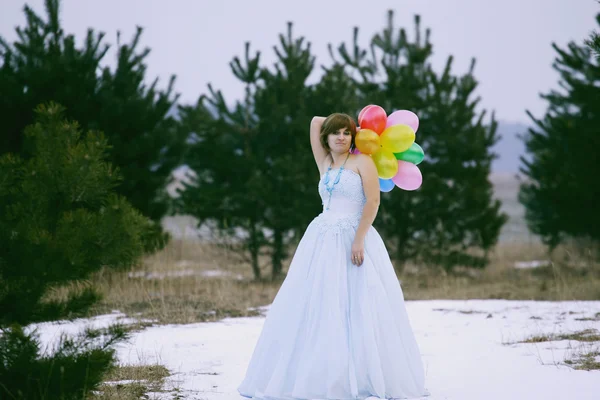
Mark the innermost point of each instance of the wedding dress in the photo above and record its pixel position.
(336, 330)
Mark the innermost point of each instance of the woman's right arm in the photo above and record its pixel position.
(317, 148)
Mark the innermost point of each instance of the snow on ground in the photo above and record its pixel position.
(468, 348)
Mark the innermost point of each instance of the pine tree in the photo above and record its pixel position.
(593, 42)
(224, 154)
(336, 91)
(453, 214)
(253, 161)
(45, 64)
(288, 170)
(561, 193)
(60, 221)
(72, 371)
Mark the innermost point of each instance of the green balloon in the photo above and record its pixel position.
(413, 155)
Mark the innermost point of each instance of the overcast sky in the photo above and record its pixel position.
(195, 40)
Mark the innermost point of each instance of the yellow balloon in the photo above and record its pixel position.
(397, 138)
(367, 141)
(386, 163)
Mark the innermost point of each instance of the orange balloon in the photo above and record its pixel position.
(373, 118)
(397, 138)
(386, 163)
(367, 141)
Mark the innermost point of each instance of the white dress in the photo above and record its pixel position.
(336, 330)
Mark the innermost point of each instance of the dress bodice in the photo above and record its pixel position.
(347, 197)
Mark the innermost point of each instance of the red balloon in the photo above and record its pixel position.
(374, 118)
(362, 112)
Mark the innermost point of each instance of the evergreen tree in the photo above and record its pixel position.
(45, 64)
(336, 91)
(289, 174)
(562, 191)
(253, 161)
(594, 41)
(72, 371)
(224, 155)
(453, 213)
(60, 221)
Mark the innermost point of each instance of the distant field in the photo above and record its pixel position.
(506, 187)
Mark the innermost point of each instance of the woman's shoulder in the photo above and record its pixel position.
(363, 163)
(362, 160)
(354, 161)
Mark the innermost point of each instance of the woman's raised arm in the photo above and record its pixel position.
(317, 148)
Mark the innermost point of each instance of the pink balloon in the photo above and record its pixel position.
(403, 117)
(355, 151)
(408, 176)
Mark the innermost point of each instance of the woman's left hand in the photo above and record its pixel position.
(358, 252)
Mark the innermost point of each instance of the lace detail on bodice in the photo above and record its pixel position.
(349, 188)
(347, 202)
(328, 222)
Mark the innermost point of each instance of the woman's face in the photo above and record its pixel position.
(340, 140)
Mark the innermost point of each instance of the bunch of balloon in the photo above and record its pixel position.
(390, 141)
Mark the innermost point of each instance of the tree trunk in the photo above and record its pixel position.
(277, 258)
(254, 247)
(400, 258)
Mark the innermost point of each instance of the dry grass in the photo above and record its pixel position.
(568, 276)
(585, 361)
(584, 355)
(187, 282)
(183, 300)
(190, 282)
(132, 382)
(587, 335)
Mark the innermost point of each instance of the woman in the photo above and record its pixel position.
(338, 328)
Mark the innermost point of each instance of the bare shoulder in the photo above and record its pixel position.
(365, 165)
